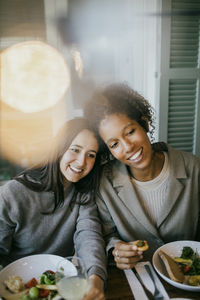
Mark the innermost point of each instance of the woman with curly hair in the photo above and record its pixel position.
(51, 209)
(148, 191)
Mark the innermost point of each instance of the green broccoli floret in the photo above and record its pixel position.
(187, 252)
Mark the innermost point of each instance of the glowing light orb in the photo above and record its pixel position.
(34, 80)
(34, 76)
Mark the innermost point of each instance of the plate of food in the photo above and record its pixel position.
(178, 263)
(30, 277)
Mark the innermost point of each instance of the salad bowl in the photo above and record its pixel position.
(174, 249)
(27, 268)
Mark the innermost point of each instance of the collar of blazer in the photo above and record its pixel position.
(125, 191)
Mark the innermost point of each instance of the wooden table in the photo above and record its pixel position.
(118, 288)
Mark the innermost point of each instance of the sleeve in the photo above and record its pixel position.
(89, 242)
(7, 227)
(109, 229)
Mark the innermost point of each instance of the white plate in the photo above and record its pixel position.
(174, 249)
(29, 267)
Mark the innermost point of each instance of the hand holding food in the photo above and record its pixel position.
(127, 254)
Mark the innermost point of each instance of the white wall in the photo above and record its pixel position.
(116, 40)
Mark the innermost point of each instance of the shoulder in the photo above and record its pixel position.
(11, 195)
(188, 158)
(14, 190)
(175, 154)
(12, 186)
(184, 164)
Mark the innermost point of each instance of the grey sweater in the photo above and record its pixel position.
(25, 231)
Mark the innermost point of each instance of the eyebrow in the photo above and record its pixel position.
(78, 146)
(123, 129)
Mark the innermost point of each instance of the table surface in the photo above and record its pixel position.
(118, 287)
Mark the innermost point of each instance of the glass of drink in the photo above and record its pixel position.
(71, 278)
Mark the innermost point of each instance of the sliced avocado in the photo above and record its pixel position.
(184, 261)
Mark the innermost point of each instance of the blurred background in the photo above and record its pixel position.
(153, 45)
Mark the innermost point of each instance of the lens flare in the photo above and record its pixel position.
(34, 81)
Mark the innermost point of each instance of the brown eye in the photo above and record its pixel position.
(74, 150)
(114, 145)
(131, 132)
(91, 155)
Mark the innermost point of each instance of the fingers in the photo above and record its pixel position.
(94, 294)
(125, 246)
(123, 249)
(127, 262)
(126, 255)
(96, 289)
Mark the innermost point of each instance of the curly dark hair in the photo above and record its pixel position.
(119, 98)
(48, 177)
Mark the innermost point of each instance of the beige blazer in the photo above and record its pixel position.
(123, 217)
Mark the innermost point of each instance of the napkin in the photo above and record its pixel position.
(135, 285)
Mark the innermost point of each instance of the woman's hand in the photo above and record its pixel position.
(126, 255)
(96, 289)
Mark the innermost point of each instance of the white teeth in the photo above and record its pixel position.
(136, 155)
(76, 170)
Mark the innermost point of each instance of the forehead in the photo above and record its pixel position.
(116, 121)
(86, 139)
(114, 125)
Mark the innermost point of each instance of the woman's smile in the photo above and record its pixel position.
(137, 156)
(128, 142)
(75, 169)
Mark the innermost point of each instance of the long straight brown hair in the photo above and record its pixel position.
(48, 176)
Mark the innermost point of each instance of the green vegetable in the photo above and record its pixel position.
(48, 277)
(34, 292)
(187, 252)
(140, 243)
(191, 259)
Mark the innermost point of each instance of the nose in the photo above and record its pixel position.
(128, 145)
(81, 159)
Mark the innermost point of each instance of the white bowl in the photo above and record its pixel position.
(174, 249)
(27, 268)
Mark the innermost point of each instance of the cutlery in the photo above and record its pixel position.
(157, 294)
(149, 295)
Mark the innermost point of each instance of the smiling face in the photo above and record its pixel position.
(128, 142)
(79, 159)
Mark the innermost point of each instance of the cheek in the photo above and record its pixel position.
(65, 159)
(90, 165)
(117, 153)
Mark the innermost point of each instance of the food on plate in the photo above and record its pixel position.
(184, 269)
(194, 280)
(14, 284)
(141, 245)
(172, 267)
(44, 288)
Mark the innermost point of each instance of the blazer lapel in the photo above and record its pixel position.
(177, 171)
(128, 196)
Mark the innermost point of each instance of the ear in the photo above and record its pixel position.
(146, 124)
